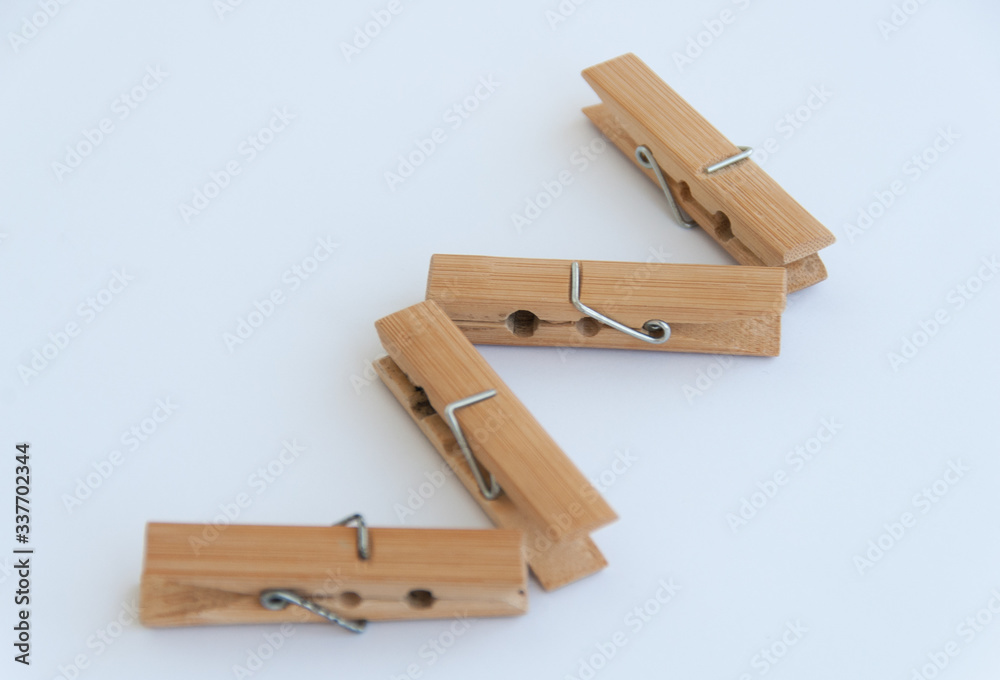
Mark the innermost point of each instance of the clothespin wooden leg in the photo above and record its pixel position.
(196, 574)
(709, 178)
(554, 563)
(715, 309)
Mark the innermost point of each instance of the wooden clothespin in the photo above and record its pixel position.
(703, 174)
(339, 574)
(456, 398)
(719, 309)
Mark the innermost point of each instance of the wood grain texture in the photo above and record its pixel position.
(802, 273)
(533, 471)
(715, 309)
(741, 206)
(554, 563)
(188, 581)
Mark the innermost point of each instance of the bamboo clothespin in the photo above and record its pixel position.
(718, 309)
(276, 574)
(454, 396)
(703, 174)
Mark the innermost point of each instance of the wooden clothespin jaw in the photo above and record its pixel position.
(196, 574)
(717, 309)
(704, 175)
(510, 465)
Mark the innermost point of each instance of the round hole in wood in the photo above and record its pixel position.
(420, 599)
(588, 327)
(723, 228)
(349, 599)
(522, 323)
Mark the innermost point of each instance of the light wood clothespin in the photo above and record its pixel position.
(703, 174)
(339, 574)
(456, 398)
(718, 309)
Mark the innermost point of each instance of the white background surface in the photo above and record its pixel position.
(303, 374)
